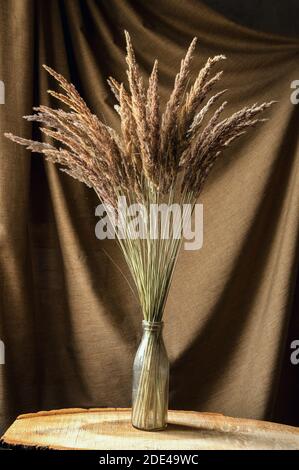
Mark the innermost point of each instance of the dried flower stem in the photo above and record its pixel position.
(156, 158)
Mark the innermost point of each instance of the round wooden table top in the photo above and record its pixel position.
(110, 428)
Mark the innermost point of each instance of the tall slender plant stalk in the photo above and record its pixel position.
(156, 158)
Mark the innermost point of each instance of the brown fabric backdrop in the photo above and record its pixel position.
(68, 320)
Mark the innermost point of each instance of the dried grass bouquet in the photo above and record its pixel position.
(157, 158)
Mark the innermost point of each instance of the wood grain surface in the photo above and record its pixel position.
(110, 428)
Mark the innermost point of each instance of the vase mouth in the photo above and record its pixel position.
(152, 325)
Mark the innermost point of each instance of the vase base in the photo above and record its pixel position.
(150, 430)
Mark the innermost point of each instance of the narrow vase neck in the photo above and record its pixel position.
(153, 327)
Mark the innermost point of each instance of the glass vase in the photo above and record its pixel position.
(150, 380)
